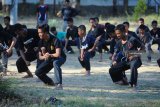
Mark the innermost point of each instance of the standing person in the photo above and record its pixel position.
(7, 43)
(27, 46)
(42, 14)
(67, 12)
(141, 22)
(87, 50)
(155, 33)
(128, 58)
(51, 55)
(72, 32)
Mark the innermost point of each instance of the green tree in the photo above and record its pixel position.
(140, 9)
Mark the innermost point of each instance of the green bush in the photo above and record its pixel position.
(140, 9)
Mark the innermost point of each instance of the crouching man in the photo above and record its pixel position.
(127, 58)
(50, 55)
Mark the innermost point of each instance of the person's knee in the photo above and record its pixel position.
(110, 71)
(37, 73)
(18, 62)
(56, 63)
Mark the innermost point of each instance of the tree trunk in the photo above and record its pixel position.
(114, 7)
(125, 4)
(24, 9)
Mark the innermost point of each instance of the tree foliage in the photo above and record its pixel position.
(140, 9)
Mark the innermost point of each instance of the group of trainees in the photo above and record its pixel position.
(46, 46)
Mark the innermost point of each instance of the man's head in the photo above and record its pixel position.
(70, 22)
(120, 31)
(154, 24)
(142, 29)
(43, 32)
(41, 2)
(20, 30)
(7, 20)
(126, 24)
(53, 30)
(96, 20)
(110, 29)
(92, 22)
(141, 21)
(81, 31)
(67, 3)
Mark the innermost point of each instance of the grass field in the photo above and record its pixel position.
(97, 90)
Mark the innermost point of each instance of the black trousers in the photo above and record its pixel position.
(116, 71)
(102, 45)
(86, 60)
(20, 63)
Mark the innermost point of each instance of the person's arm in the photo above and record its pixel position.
(23, 57)
(81, 54)
(57, 54)
(9, 50)
(66, 40)
(66, 43)
(41, 56)
(95, 44)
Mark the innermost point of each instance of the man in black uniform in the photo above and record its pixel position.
(146, 39)
(155, 33)
(27, 42)
(98, 33)
(141, 22)
(88, 45)
(51, 55)
(7, 42)
(10, 29)
(72, 32)
(127, 59)
(129, 33)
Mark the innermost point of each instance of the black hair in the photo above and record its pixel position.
(82, 27)
(143, 27)
(110, 28)
(96, 18)
(127, 23)
(53, 28)
(18, 26)
(67, 1)
(141, 19)
(92, 19)
(45, 28)
(120, 27)
(70, 19)
(8, 18)
(154, 22)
